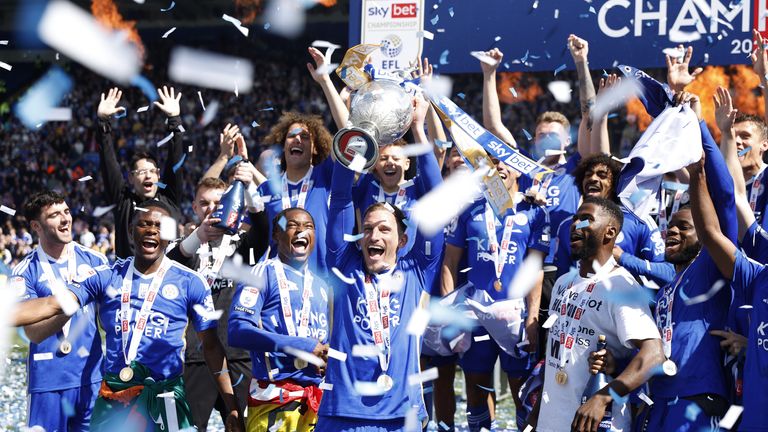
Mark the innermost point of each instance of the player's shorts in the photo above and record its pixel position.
(682, 414)
(63, 410)
(346, 424)
(482, 354)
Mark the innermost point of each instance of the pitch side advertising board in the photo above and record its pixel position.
(533, 33)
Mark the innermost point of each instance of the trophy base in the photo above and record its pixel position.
(352, 141)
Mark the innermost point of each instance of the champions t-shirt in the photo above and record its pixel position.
(259, 306)
(562, 195)
(638, 237)
(316, 204)
(696, 353)
(613, 308)
(161, 348)
(72, 370)
(470, 233)
(750, 280)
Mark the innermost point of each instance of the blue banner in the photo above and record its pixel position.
(533, 33)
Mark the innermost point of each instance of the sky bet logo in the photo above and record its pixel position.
(399, 10)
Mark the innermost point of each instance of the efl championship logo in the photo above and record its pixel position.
(391, 46)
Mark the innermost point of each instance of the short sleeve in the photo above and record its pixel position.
(539, 239)
(456, 235)
(92, 287)
(745, 272)
(631, 314)
(23, 288)
(249, 299)
(755, 242)
(200, 306)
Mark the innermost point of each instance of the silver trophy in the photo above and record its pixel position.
(380, 113)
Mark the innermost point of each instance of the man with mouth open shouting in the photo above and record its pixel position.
(59, 375)
(144, 181)
(375, 296)
(149, 300)
(283, 311)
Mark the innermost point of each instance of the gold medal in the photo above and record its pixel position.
(126, 374)
(65, 347)
(300, 363)
(669, 367)
(385, 381)
(561, 377)
(497, 285)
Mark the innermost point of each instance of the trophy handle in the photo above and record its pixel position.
(351, 141)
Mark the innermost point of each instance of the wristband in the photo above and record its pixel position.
(191, 243)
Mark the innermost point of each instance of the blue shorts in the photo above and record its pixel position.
(674, 415)
(348, 424)
(63, 410)
(438, 360)
(481, 357)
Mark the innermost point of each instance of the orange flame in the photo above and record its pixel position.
(527, 89)
(327, 3)
(705, 86)
(105, 12)
(634, 106)
(746, 94)
(247, 10)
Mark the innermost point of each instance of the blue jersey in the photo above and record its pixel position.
(563, 196)
(528, 226)
(413, 274)
(257, 323)
(316, 203)
(640, 238)
(750, 280)
(48, 369)
(161, 348)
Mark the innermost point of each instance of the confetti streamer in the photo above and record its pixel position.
(744, 151)
(430, 374)
(352, 238)
(173, 4)
(207, 314)
(180, 163)
(168, 33)
(5, 66)
(701, 298)
(210, 70)
(308, 357)
(560, 69)
(7, 210)
(527, 135)
(236, 22)
(165, 140)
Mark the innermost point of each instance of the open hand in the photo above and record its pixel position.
(108, 105)
(169, 101)
(320, 62)
(227, 139)
(758, 57)
(678, 75)
(725, 114)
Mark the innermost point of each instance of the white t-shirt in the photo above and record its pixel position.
(616, 308)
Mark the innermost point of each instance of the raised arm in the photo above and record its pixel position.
(322, 76)
(491, 108)
(435, 129)
(678, 75)
(227, 139)
(660, 273)
(579, 50)
(760, 63)
(428, 169)
(599, 142)
(724, 117)
(341, 212)
(705, 219)
(110, 168)
(173, 178)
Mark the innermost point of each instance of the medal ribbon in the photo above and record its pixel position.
(146, 309)
(285, 300)
(755, 190)
(304, 185)
(219, 254)
(567, 336)
(664, 314)
(378, 315)
(55, 284)
(498, 251)
(399, 198)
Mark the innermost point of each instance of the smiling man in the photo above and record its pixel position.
(284, 309)
(372, 304)
(149, 300)
(58, 375)
(598, 298)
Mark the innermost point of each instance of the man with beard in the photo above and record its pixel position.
(281, 313)
(371, 305)
(58, 376)
(598, 298)
(149, 301)
(144, 181)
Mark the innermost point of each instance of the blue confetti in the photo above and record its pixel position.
(745, 151)
(443, 144)
(268, 109)
(592, 10)
(267, 26)
(673, 402)
(180, 163)
(581, 224)
(560, 69)
(444, 57)
(282, 222)
(221, 372)
(584, 15)
(45, 94)
(121, 114)
(488, 389)
(614, 115)
(616, 398)
(525, 57)
(67, 408)
(674, 186)
(173, 4)
(238, 380)
(605, 74)
(692, 412)
(546, 53)
(461, 95)
(146, 87)
(161, 185)
(435, 20)
(527, 135)
(506, 65)
(450, 11)
(254, 124)
(638, 196)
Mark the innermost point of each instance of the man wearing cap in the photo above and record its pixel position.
(145, 303)
(60, 377)
(281, 317)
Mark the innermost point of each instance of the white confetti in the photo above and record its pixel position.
(3, 42)
(74, 32)
(365, 351)
(483, 57)
(167, 228)
(416, 149)
(418, 322)
(358, 164)
(561, 91)
(82, 352)
(168, 33)
(436, 209)
(482, 338)
(85, 179)
(439, 86)
(165, 140)
(701, 298)
(57, 114)
(111, 292)
(644, 397)
(236, 22)
(430, 374)
(142, 109)
(200, 95)
(5, 66)
(326, 386)
(7, 210)
(308, 357)
(327, 68)
(352, 238)
(550, 321)
(678, 36)
(426, 34)
(210, 70)
(674, 52)
(286, 17)
(340, 275)
(525, 277)
(210, 113)
(336, 354)
(207, 314)
(366, 388)
(730, 417)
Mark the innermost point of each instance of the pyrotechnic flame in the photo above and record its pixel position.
(105, 11)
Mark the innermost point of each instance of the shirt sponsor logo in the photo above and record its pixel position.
(245, 310)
